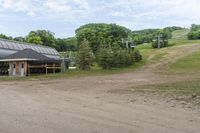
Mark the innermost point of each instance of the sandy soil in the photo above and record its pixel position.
(97, 104)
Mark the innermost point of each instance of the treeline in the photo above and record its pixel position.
(102, 35)
(108, 45)
(46, 38)
(194, 33)
(106, 58)
(98, 35)
(148, 35)
(103, 44)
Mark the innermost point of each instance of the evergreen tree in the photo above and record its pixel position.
(84, 56)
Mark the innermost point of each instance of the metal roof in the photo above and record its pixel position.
(14, 45)
(29, 55)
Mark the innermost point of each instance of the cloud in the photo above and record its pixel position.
(18, 6)
(59, 6)
(134, 14)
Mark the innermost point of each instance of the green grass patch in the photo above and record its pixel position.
(145, 46)
(188, 64)
(158, 57)
(180, 34)
(95, 71)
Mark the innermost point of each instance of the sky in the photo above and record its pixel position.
(63, 17)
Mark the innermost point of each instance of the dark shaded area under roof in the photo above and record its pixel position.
(29, 54)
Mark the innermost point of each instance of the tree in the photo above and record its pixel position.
(84, 56)
(173, 28)
(43, 37)
(147, 35)
(5, 37)
(105, 58)
(97, 34)
(194, 33)
(143, 36)
(66, 44)
(108, 58)
(20, 39)
(34, 38)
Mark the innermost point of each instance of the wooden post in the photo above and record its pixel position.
(27, 69)
(46, 69)
(54, 68)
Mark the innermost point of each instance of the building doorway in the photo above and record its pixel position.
(22, 71)
(4, 69)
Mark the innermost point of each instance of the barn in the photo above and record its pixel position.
(24, 59)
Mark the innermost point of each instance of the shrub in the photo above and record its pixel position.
(108, 58)
(194, 35)
(84, 56)
(105, 58)
(137, 56)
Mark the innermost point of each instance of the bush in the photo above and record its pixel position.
(137, 56)
(194, 35)
(108, 58)
(84, 56)
(105, 58)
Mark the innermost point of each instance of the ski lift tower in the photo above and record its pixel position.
(159, 40)
(128, 43)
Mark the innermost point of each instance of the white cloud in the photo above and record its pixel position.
(18, 6)
(58, 6)
(83, 4)
(135, 14)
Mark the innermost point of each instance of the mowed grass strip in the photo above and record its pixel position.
(188, 64)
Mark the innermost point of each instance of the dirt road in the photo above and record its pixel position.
(98, 104)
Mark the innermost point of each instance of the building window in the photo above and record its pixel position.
(13, 65)
(22, 65)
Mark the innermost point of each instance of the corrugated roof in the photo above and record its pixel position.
(14, 45)
(28, 54)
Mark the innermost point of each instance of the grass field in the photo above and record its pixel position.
(188, 64)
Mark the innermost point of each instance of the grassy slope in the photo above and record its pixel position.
(188, 90)
(189, 64)
(179, 37)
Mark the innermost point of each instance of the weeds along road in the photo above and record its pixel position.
(97, 104)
